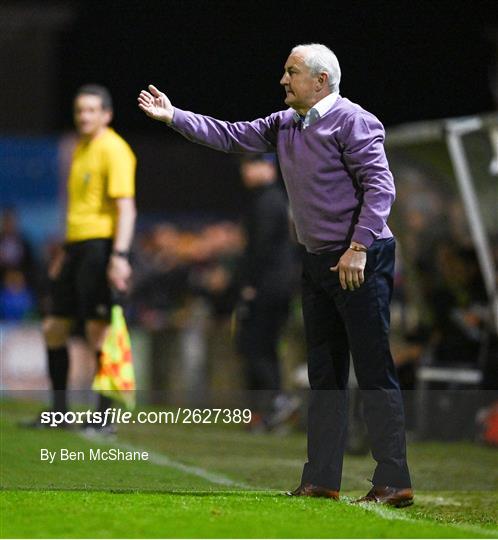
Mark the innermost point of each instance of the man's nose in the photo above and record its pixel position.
(284, 79)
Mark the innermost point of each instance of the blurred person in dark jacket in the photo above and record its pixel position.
(15, 250)
(460, 307)
(266, 284)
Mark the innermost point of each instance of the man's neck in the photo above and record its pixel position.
(93, 136)
(304, 110)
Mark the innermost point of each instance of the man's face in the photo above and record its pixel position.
(90, 118)
(300, 86)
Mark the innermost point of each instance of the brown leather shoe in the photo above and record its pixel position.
(310, 490)
(398, 497)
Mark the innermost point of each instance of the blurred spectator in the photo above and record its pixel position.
(160, 278)
(216, 278)
(172, 266)
(266, 286)
(174, 269)
(15, 250)
(16, 299)
(459, 306)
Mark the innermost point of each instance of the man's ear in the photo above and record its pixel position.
(322, 80)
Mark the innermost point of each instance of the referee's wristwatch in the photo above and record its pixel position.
(122, 254)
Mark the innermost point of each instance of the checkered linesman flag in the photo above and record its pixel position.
(116, 377)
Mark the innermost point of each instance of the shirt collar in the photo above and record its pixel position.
(320, 108)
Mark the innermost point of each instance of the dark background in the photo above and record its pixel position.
(403, 61)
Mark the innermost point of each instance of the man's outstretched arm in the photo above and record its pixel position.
(257, 136)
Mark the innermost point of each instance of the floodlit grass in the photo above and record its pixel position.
(215, 482)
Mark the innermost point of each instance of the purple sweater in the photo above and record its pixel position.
(335, 171)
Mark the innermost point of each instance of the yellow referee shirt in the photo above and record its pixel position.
(102, 169)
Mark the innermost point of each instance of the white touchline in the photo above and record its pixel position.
(382, 511)
(164, 461)
(438, 500)
(387, 513)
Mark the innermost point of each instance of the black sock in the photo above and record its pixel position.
(58, 369)
(104, 402)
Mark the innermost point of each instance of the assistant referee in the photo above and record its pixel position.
(99, 229)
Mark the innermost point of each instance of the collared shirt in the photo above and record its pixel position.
(318, 110)
(102, 169)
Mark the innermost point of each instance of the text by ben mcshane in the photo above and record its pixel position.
(92, 454)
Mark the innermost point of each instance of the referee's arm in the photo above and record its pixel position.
(119, 270)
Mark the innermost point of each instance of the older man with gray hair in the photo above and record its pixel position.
(340, 190)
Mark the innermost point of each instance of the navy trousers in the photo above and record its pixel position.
(337, 323)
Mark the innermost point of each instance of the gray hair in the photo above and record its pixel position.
(319, 59)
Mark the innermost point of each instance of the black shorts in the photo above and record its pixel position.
(82, 291)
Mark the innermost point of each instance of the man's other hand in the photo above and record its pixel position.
(350, 267)
(119, 273)
(156, 105)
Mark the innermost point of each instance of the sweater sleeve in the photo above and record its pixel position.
(258, 136)
(363, 142)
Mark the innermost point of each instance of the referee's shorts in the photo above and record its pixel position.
(81, 291)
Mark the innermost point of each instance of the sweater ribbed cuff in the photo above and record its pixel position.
(363, 236)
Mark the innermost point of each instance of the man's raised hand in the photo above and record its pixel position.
(156, 105)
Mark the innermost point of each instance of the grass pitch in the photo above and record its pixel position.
(212, 481)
